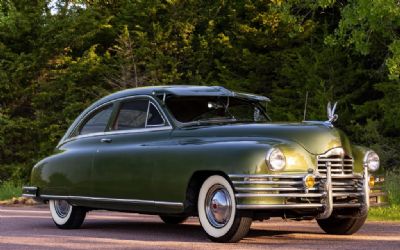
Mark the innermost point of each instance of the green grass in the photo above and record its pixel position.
(391, 212)
(9, 189)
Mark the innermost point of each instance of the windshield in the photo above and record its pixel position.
(205, 109)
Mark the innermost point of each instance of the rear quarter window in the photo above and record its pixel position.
(97, 122)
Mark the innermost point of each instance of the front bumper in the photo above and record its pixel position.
(287, 191)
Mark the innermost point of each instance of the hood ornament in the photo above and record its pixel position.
(332, 117)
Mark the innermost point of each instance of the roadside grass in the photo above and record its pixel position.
(392, 211)
(9, 189)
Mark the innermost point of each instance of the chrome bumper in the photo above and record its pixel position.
(30, 192)
(287, 191)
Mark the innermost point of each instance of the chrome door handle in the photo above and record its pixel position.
(106, 140)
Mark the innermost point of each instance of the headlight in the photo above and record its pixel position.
(275, 159)
(371, 160)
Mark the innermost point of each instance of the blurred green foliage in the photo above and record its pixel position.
(56, 57)
(392, 188)
(10, 189)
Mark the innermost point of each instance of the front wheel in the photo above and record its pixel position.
(343, 226)
(66, 216)
(217, 211)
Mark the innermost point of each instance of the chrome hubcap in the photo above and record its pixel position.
(62, 208)
(218, 206)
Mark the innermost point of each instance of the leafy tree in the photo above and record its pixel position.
(56, 57)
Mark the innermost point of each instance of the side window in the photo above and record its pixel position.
(132, 115)
(97, 121)
(154, 118)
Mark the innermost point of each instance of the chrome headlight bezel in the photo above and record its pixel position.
(275, 159)
(371, 160)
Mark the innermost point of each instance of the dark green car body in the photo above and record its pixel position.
(159, 169)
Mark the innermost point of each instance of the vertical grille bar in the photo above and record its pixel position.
(340, 163)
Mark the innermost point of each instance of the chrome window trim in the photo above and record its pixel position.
(102, 199)
(158, 110)
(117, 132)
(83, 121)
(167, 124)
(147, 114)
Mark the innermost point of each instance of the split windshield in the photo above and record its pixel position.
(214, 109)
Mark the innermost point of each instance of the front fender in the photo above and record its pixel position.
(298, 160)
(358, 157)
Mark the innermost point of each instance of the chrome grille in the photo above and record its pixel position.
(340, 165)
(263, 188)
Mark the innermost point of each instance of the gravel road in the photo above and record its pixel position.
(32, 228)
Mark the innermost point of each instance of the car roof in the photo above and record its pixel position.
(180, 90)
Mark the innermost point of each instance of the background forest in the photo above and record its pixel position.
(56, 57)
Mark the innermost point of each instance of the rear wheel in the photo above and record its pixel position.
(66, 216)
(173, 219)
(344, 226)
(217, 211)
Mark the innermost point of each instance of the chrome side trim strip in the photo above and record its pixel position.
(265, 176)
(281, 206)
(293, 206)
(289, 176)
(101, 199)
(168, 203)
(268, 182)
(288, 195)
(130, 131)
(260, 189)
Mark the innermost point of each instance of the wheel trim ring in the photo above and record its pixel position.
(62, 208)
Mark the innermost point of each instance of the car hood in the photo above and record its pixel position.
(315, 137)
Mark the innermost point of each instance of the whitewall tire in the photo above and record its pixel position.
(66, 216)
(217, 211)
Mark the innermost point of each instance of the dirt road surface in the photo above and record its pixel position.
(32, 228)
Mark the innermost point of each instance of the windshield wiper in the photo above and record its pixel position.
(208, 121)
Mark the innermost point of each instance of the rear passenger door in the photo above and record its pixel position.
(72, 168)
(124, 162)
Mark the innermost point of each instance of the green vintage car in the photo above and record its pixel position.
(180, 151)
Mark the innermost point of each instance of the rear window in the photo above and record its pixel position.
(98, 121)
